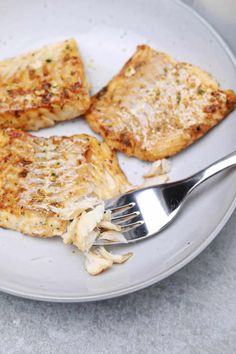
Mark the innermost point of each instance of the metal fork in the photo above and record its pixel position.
(146, 211)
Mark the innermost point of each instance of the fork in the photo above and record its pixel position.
(144, 212)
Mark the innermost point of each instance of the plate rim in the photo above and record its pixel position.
(174, 268)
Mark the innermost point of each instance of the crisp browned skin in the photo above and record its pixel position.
(42, 180)
(156, 107)
(43, 87)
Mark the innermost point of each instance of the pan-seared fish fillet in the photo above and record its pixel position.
(44, 182)
(156, 107)
(43, 87)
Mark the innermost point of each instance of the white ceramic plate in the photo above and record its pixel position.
(107, 33)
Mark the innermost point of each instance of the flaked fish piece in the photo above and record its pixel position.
(99, 259)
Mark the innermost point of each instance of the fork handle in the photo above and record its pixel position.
(218, 166)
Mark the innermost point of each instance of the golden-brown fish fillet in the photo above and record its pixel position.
(43, 87)
(44, 181)
(156, 107)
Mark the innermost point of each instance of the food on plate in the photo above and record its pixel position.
(157, 174)
(156, 107)
(43, 87)
(46, 182)
(92, 225)
(55, 186)
(99, 259)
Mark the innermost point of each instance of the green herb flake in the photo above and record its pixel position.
(178, 97)
(200, 91)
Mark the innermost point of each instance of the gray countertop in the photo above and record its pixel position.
(193, 311)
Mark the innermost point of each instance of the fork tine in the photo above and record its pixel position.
(125, 217)
(122, 208)
(131, 226)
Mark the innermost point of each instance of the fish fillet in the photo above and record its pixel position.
(156, 107)
(43, 87)
(43, 181)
